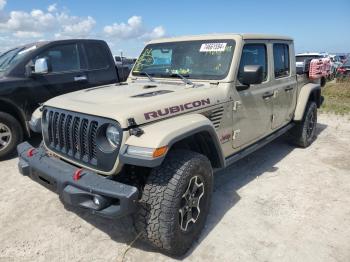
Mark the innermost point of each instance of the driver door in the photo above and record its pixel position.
(252, 109)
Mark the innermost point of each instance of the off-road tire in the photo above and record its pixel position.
(301, 134)
(158, 219)
(16, 133)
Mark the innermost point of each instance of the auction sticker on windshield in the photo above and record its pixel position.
(213, 47)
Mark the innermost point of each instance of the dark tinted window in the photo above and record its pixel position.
(97, 55)
(62, 58)
(253, 54)
(281, 60)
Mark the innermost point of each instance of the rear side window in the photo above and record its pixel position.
(97, 55)
(63, 58)
(281, 60)
(253, 54)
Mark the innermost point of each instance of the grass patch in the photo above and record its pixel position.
(336, 97)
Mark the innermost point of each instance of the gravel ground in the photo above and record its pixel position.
(279, 204)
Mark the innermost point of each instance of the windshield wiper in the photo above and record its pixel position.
(183, 78)
(148, 75)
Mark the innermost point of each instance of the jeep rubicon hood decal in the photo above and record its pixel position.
(176, 109)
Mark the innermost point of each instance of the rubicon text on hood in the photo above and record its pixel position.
(176, 109)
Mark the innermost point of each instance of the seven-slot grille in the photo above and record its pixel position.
(75, 136)
(72, 135)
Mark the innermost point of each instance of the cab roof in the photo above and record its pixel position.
(222, 36)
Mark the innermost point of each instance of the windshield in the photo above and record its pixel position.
(306, 57)
(10, 57)
(204, 59)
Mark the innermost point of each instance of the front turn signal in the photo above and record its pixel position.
(160, 151)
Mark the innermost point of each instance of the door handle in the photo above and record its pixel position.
(288, 88)
(267, 95)
(80, 78)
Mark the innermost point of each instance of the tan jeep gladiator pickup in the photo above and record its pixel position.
(148, 147)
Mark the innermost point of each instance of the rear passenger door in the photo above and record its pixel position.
(285, 83)
(252, 118)
(100, 63)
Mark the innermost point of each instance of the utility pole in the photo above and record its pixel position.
(121, 59)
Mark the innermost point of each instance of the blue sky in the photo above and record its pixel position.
(127, 25)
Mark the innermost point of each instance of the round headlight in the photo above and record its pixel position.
(113, 135)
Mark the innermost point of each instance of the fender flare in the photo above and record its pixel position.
(303, 98)
(167, 133)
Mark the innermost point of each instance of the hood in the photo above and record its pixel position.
(144, 101)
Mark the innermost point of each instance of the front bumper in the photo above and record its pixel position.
(115, 199)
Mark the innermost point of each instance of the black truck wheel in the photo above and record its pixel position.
(175, 202)
(11, 134)
(303, 134)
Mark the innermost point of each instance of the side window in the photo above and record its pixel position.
(97, 55)
(63, 58)
(281, 60)
(253, 54)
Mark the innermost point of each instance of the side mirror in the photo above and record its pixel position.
(252, 75)
(41, 66)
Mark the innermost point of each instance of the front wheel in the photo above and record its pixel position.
(175, 202)
(11, 134)
(303, 133)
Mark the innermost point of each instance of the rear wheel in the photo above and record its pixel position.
(303, 134)
(175, 202)
(11, 134)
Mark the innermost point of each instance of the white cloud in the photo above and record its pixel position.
(26, 34)
(18, 27)
(76, 27)
(52, 8)
(37, 23)
(34, 21)
(157, 32)
(134, 28)
(2, 4)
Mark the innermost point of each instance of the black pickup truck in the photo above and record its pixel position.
(34, 73)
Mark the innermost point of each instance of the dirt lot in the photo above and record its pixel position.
(279, 204)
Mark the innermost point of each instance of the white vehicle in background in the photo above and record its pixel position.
(303, 62)
(302, 58)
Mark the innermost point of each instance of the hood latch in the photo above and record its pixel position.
(134, 130)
